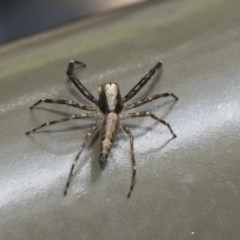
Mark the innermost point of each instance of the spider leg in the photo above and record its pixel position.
(70, 73)
(85, 141)
(73, 116)
(150, 99)
(64, 102)
(134, 170)
(141, 83)
(149, 114)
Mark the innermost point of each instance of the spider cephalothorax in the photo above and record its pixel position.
(110, 98)
(110, 110)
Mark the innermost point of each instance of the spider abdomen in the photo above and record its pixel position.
(110, 126)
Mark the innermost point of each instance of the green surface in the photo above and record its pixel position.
(187, 188)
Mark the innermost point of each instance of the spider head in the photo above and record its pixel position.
(110, 98)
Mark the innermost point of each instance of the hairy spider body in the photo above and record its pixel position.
(110, 105)
(111, 109)
(108, 133)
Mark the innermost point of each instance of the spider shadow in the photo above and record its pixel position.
(166, 143)
(166, 112)
(95, 170)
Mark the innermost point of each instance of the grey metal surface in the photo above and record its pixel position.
(187, 188)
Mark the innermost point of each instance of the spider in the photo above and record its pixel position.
(109, 109)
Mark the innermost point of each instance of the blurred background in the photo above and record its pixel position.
(22, 18)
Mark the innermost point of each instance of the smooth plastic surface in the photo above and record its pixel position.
(187, 188)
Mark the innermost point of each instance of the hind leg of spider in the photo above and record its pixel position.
(150, 99)
(141, 83)
(149, 114)
(85, 141)
(72, 117)
(64, 102)
(134, 170)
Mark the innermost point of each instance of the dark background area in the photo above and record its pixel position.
(22, 18)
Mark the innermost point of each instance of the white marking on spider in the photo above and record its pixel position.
(111, 91)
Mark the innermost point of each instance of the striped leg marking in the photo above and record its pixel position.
(150, 99)
(141, 83)
(64, 102)
(78, 84)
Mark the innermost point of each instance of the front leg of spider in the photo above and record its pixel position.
(110, 108)
(78, 84)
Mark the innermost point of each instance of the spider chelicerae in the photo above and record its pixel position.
(109, 109)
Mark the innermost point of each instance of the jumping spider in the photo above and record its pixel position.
(109, 109)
